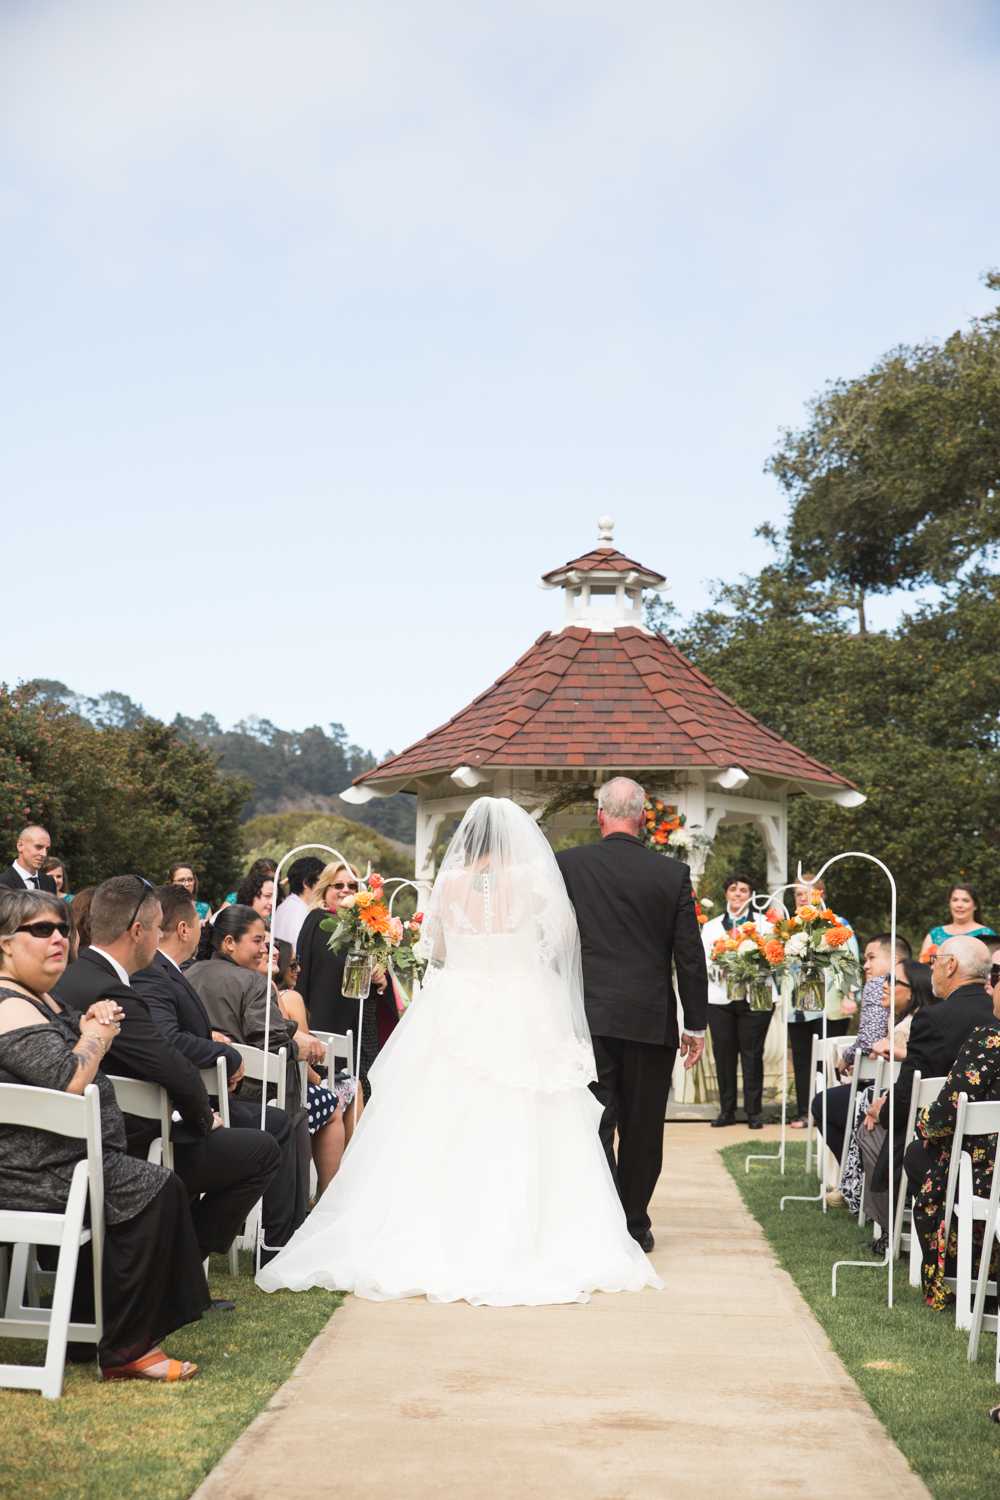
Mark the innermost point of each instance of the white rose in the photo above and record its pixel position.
(681, 838)
(798, 944)
(747, 946)
(347, 903)
(704, 901)
(416, 949)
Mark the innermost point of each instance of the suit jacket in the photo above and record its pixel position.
(636, 915)
(937, 1035)
(139, 1051)
(13, 881)
(176, 1009)
(236, 1002)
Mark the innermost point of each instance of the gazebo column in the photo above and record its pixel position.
(432, 814)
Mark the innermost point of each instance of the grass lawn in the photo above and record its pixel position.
(157, 1441)
(909, 1362)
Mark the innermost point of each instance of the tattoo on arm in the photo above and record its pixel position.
(86, 1050)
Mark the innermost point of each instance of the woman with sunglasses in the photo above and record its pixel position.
(152, 1276)
(321, 976)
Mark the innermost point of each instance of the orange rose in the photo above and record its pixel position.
(773, 916)
(816, 897)
(365, 898)
(808, 913)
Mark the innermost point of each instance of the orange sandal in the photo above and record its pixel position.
(139, 1369)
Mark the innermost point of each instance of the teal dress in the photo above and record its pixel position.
(203, 909)
(937, 936)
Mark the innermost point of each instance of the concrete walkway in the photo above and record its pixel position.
(721, 1387)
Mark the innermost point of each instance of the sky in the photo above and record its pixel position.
(328, 326)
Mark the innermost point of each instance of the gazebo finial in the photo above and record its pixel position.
(605, 527)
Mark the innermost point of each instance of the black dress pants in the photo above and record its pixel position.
(837, 1101)
(739, 1032)
(800, 1040)
(232, 1169)
(633, 1084)
(286, 1201)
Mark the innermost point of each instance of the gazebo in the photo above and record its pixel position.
(603, 696)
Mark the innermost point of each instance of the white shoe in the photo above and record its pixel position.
(836, 1199)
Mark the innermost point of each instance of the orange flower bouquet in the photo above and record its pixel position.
(665, 830)
(371, 936)
(750, 960)
(815, 945)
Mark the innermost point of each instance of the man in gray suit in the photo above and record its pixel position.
(637, 919)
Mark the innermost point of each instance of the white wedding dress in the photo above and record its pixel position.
(476, 1171)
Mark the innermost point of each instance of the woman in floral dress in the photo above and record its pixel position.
(976, 1072)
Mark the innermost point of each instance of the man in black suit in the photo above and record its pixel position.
(636, 914)
(25, 874)
(937, 1035)
(176, 1009)
(231, 1169)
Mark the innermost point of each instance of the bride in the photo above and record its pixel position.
(476, 1170)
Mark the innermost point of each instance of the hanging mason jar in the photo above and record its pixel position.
(357, 975)
(735, 988)
(810, 990)
(760, 994)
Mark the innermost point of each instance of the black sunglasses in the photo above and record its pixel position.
(144, 897)
(45, 929)
(339, 885)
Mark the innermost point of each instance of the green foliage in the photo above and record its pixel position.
(272, 835)
(908, 1361)
(910, 716)
(896, 479)
(115, 800)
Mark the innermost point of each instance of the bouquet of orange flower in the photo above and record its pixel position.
(364, 926)
(815, 945)
(750, 961)
(665, 830)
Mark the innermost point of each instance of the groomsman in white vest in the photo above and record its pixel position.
(25, 874)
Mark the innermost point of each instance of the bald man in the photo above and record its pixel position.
(25, 874)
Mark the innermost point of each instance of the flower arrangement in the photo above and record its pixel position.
(665, 830)
(702, 917)
(813, 939)
(747, 955)
(364, 925)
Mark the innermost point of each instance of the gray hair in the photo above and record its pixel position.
(19, 907)
(621, 800)
(973, 957)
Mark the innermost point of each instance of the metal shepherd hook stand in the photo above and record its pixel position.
(780, 1155)
(887, 1262)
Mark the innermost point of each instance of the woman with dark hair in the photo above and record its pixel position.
(152, 1276)
(257, 891)
(966, 921)
(181, 873)
(914, 991)
(81, 916)
(321, 976)
(56, 867)
(268, 866)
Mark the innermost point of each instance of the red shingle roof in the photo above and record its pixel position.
(604, 560)
(621, 698)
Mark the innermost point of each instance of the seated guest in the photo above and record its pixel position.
(25, 874)
(57, 869)
(81, 915)
(937, 1035)
(256, 890)
(738, 1033)
(321, 976)
(176, 1009)
(229, 1169)
(183, 874)
(975, 1072)
(872, 1027)
(152, 1277)
(326, 1103)
(302, 878)
(966, 921)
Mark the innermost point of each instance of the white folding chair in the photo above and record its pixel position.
(338, 1044)
(822, 1075)
(150, 1102)
(216, 1081)
(79, 1118)
(984, 1286)
(866, 1070)
(925, 1091)
(981, 1117)
(263, 1068)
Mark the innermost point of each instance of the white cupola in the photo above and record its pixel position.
(603, 588)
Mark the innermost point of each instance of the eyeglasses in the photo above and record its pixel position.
(340, 885)
(138, 907)
(44, 930)
(901, 984)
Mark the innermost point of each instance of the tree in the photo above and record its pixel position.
(895, 482)
(910, 716)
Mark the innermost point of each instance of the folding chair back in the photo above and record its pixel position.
(150, 1102)
(78, 1118)
(924, 1092)
(980, 1117)
(824, 1054)
(866, 1070)
(216, 1081)
(338, 1044)
(984, 1286)
(265, 1067)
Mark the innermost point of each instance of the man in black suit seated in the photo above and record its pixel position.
(636, 915)
(230, 1168)
(176, 1009)
(25, 874)
(937, 1035)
